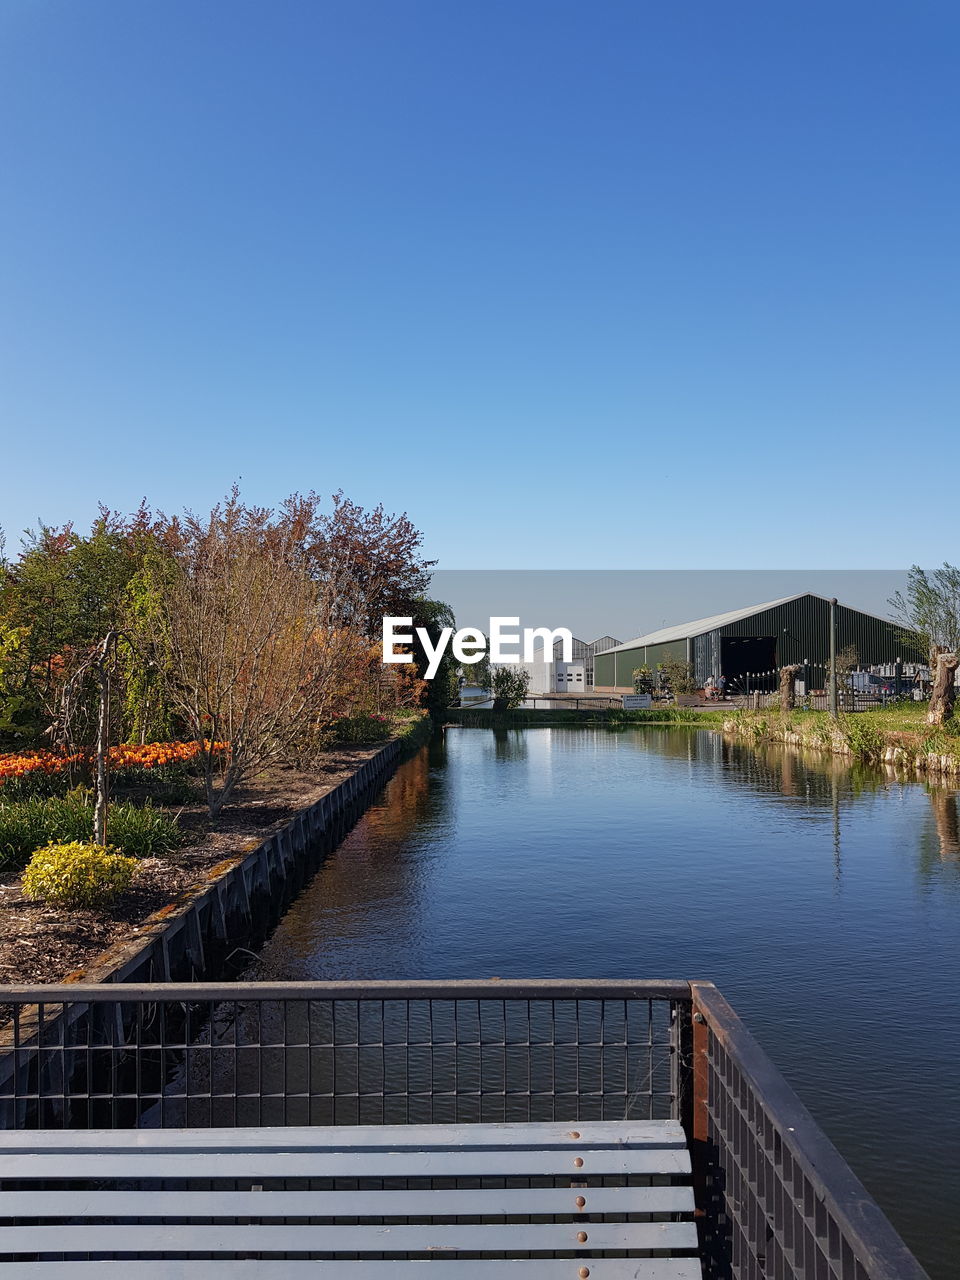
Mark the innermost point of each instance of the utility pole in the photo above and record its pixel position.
(832, 691)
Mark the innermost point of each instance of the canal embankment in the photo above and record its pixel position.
(896, 738)
(544, 717)
(189, 912)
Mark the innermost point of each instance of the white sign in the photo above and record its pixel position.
(637, 701)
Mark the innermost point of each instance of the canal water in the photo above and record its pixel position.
(823, 899)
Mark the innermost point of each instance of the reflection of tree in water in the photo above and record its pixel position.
(509, 744)
(940, 845)
(367, 885)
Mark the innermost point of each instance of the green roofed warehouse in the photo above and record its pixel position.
(795, 629)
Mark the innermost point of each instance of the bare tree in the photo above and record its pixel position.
(255, 653)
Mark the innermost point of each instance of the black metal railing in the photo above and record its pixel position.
(775, 1198)
(340, 1053)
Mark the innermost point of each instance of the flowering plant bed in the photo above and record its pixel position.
(151, 755)
(41, 942)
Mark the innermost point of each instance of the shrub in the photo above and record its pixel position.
(141, 830)
(509, 687)
(362, 729)
(25, 825)
(863, 738)
(77, 874)
(175, 783)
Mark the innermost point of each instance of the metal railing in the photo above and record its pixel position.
(775, 1198)
(339, 1053)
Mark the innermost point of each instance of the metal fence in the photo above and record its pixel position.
(775, 1197)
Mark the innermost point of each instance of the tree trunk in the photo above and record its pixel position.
(102, 782)
(788, 686)
(943, 692)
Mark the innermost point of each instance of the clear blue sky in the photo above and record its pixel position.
(575, 284)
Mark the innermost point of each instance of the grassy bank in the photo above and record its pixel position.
(896, 735)
(611, 718)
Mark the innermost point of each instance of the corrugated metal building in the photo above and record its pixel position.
(584, 653)
(759, 638)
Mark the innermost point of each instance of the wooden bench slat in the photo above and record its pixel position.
(343, 1204)
(539, 1135)
(345, 1164)
(463, 1269)
(485, 1238)
(570, 1152)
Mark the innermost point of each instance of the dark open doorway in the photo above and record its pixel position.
(740, 654)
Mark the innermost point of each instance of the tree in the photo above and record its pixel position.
(63, 595)
(510, 685)
(788, 686)
(250, 640)
(479, 673)
(928, 612)
(642, 679)
(847, 659)
(678, 674)
(440, 692)
(929, 617)
(376, 559)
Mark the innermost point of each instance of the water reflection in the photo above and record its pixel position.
(509, 744)
(821, 896)
(940, 838)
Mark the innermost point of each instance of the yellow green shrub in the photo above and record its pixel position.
(77, 874)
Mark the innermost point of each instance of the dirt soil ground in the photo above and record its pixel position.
(40, 943)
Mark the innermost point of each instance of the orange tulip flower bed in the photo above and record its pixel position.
(151, 755)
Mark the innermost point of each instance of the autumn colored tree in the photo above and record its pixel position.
(375, 560)
(249, 639)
